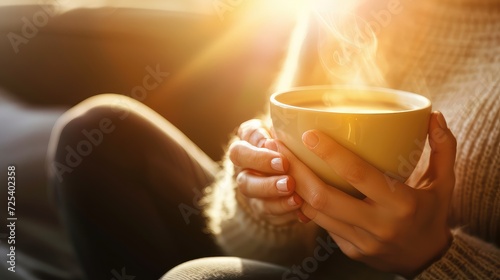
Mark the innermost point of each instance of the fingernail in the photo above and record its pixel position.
(261, 143)
(282, 185)
(271, 145)
(441, 121)
(291, 201)
(310, 139)
(302, 218)
(277, 164)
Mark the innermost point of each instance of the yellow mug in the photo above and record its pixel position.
(385, 127)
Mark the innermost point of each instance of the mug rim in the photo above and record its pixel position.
(425, 102)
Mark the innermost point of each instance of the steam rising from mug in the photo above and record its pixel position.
(347, 47)
(346, 44)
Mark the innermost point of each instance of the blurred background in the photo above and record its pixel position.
(213, 64)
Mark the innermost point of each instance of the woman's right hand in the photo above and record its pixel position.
(261, 175)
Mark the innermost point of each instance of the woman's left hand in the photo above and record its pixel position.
(397, 228)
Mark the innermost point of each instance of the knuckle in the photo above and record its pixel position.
(407, 209)
(264, 187)
(244, 133)
(318, 200)
(284, 205)
(309, 211)
(256, 137)
(355, 172)
(385, 235)
(324, 154)
(242, 154)
(255, 186)
(234, 153)
(374, 249)
(241, 182)
(248, 127)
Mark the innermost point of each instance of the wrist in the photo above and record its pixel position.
(440, 252)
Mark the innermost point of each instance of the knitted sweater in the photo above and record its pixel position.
(448, 50)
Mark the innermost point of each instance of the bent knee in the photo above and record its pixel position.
(102, 112)
(111, 106)
(83, 128)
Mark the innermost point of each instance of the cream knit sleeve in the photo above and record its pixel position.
(474, 253)
(467, 258)
(239, 232)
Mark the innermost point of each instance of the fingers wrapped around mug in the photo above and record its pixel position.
(247, 156)
(269, 195)
(396, 227)
(261, 177)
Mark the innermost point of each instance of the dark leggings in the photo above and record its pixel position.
(127, 185)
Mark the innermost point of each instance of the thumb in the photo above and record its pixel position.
(443, 148)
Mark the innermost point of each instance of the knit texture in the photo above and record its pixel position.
(467, 258)
(449, 51)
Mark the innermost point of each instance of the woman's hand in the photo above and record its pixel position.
(261, 175)
(397, 228)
